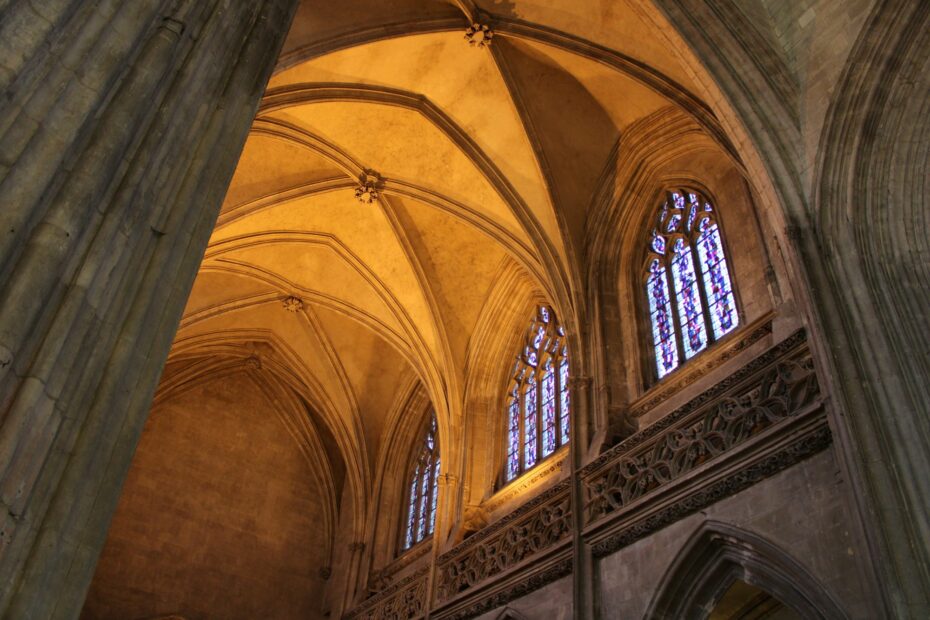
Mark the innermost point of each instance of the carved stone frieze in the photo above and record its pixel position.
(808, 445)
(694, 371)
(537, 526)
(785, 388)
(765, 359)
(530, 583)
(404, 600)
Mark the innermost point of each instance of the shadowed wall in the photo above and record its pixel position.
(219, 518)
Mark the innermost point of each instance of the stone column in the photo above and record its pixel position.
(120, 128)
(582, 561)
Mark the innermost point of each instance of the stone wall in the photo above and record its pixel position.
(802, 510)
(220, 516)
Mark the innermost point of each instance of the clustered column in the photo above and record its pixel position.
(120, 127)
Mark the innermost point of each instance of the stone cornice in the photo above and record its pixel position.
(696, 369)
(746, 371)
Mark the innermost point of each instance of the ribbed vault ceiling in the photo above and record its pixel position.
(487, 158)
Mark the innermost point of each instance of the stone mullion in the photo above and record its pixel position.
(76, 523)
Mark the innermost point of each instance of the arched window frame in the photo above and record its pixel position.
(676, 233)
(538, 386)
(421, 487)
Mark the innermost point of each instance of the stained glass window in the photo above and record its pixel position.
(538, 401)
(423, 487)
(686, 243)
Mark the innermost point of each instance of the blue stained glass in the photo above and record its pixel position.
(691, 215)
(539, 336)
(563, 394)
(663, 329)
(690, 308)
(537, 410)
(717, 285)
(678, 200)
(513, 439)
(424, 498)
(658, 242)
(549, 422)
(673, 223)
(529, 424)
(435, 493)
(412, 509)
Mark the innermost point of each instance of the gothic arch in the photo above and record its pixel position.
(717, 555)
(869, 220)
(510, 614)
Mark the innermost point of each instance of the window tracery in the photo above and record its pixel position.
(422, 487)
(687, 242)
(538, 401)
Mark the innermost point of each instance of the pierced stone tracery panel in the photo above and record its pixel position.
(537, 526)
(776, 387)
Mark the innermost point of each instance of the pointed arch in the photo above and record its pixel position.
(716, 556)
(422, 486)
(690, 296)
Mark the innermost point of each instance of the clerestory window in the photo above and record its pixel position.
(422, 486)
(538, 399)
(687, 280)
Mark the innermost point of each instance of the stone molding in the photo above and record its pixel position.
(765, 417)
(405, 599)
(708, 395)
(510, 589)
(386, 574)
(537, 530)
(537, 476)
(693, 371)
(785, 388)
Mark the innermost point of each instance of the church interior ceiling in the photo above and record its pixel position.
(482, 158)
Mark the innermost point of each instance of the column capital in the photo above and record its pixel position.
(579, 382)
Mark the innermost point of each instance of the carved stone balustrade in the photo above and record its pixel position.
(512, 554)
(765, 417)
(402, 601)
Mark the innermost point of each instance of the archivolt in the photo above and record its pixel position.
(716, 556)
(871, 224)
